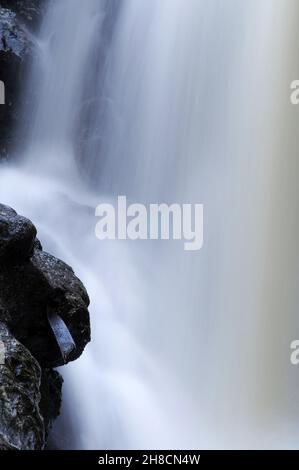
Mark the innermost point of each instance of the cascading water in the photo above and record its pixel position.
(170, 101)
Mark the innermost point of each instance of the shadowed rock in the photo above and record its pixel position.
(30, 289)
(50, 389)
(18, 21)
(17, 236)
(44, 323)
(21, 423)
(16, 50)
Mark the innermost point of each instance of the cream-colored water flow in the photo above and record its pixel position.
(169, 101)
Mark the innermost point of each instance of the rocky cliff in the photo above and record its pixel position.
(44, 323)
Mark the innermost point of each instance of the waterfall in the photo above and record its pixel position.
(171, 101)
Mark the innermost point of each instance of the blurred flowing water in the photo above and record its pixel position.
(171, 101)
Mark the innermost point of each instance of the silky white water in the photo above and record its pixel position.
(171, 101)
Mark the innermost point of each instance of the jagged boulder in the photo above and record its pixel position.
(15, 51)
(35, 286)
(50, 403)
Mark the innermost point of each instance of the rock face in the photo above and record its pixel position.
(28, 11)
(34, 285)
(18, 18)
(21, 423)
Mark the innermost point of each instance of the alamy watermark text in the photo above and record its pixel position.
(152, 222)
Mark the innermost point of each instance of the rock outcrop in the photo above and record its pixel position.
(33, 284)
(27, 11)
(18, 19)
(35, 288)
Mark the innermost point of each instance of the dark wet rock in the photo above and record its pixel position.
(27, 293)
(18, 20)
(17, 237)
(28, 11)
(31, 289)
(33, 284)
(21, 423)
(51, 387)
(16, 50)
